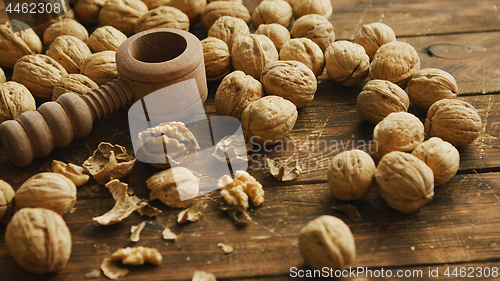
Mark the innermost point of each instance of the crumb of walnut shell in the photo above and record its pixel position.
(252, 53)
(202, 275)
(347, 63)
(192, 213)
(111, 270)
(267, 12)
(71, 171)
(276, 32)
(163, 17)
(65, 27)
(305, 51)
(429, 85)
(217, 9)
(106, 38)
(372, 36)
(15, 99)
(15, 45)
(316, 28)
(239, 190)
(167, 234)
(217, 58)
(285, 170)
(137, 256)
(124, 206)
(135, 231)
(227, 29)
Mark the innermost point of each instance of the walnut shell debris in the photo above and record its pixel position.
(167, 234)
(100, 67)
(124, 206)
(111, 270)
(192, 213)
(163, 17)
(137, 256)
(252, 53)
(135, 231)
(202, 275)
(276, 32)
(320, 7)
(73, 83)
(227, 249)
(236, 91)
(65, 27)
(305, 51)
(109, 162)
(176, 187)
(39, 240)
(454, 121)
(405, 182)
(70, 52)
(380, 98)
(327, 241)
(238, 191)
(106, 38)
(429, 85)
(17, 39)
(284, 170)
(122, 14)
(192, 8)
(227, 29)
(217, 58)
(6, 201)
(347, 63)
(47, 190)
(73, 172)
(267, 12)
(316, 28)
(15, 99)
(372, 36)
(217, 9)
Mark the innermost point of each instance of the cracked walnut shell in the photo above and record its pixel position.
(39, 240)
(372, 36)
(6, 201)
(252, 53)
(176, 187)
(17, 39)
(454, 121)
(109, 162)
(327, 242)
(71, 171)
(124, 206)
(15, 99)
(276, 32)
(65, 27)
(163, 17)
(429, 85)
(217, 9)
(316, 28)
(217, 58)
(267, 12)
(346, 63)
(106, 38)
(70, 52)
(73, 83)
(122, 14)
(305, 51)
(227, 29)
(100, 67)
(405, 182)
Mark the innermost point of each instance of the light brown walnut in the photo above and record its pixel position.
(70, 52)
(73, 83)
(217, 9)
(100, 67)
(65, 27)
(305, 51)
(6, 201)
(228, 28)
(137, 256)
(316, 28)
(217, 58)
(251, 54)
(106, 38)
(192, 8)
(267, 12)
(240, 190)
(17, 39)
(71, 171)
(3, 79)
(372, 36)
(15, 99)
(276, 32)
(87, 11)
(163, 17)
(306, 7)
(347, 63)
(122, 14)
(429, 85)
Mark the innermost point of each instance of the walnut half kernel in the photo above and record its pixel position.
(137, 256)
(238, 191)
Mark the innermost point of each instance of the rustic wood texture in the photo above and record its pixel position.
(458, 228)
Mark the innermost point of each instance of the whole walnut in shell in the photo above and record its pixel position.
(405, 182)
(47, 190)
(305, 51)
(70, 52)
(380, 98)
(163, 17)
(192, 8)
(43, 20)
(291, 80)
(429, 85)
(266, 12)
(236, 91)
(316, 28)
(351, 174)
(441, 156)
(395, 61)
(15, 99)
(176, 187)
(268, 120)
(217, 58)
(217, 9)
(122, 14)
(399, 131)
(251, 54)
(346, 63)
(327, 242)
(106, 38)
(6, 201)
(228, 28)
(73, 83)
(39, 240)
(17, 39)
(65, 27)
(372, 36)
(276, 32)
(39, 73)
(454, 121)
(100, 67)
(320, 7)
(87, 11)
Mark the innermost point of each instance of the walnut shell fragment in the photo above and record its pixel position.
(73, 172)
(192, 213)
(146, 209)
(203, 276)
(286, 170)
(137, 256)
(111, 270)
(227, 249)
(168, 235)
(109, 162)
(232, 149)
(135, 231)
(6, 201)
(239, 190)
(175, 187)
(124, 206)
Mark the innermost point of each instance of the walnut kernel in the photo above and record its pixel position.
(238, 191)
(137, 256)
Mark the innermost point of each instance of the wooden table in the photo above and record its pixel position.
(459, 228)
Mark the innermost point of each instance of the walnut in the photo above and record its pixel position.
(100, 67)
(65, 27)
(106, 38)
(291, 80)
(441, 156)
(73, 83)
(15, 99)
(379, 98)
(316, 28)
(192, 8)
(16, 40)
(228, 28)
(168, 144)
(124, 206)
(305, 51)
(272, 12)
(239, 190)
(405, 182)
(202, 275)
(217, 9)
(454, 121)
(327, 242)
(232, 149)
(71, 171)
(70, 52)
(236, 91)
(39, 73)
(351, 174)
(320, 7)
(43, 20)
(268, 120)
(39, 240)
(217, 58)
(372, 36)
(109, 162)
(87, 11)
(6, 201)
(251, 54)
(276, 32)
(399, 131)
(395, 61)
(163, 17)
(122, 14)
(346, 63)
(3, 79)
(284, 170)
(176, 187)
(239, 1)
(137, 256)
(429, 85)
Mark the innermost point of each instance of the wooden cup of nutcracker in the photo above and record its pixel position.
(146, 62)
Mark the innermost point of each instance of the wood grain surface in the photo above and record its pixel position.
(459, 228)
